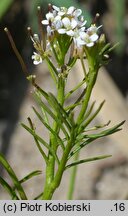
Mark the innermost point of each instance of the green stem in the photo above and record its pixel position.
(73, 179)
(91, 81)
(74, 89)
(48, 188)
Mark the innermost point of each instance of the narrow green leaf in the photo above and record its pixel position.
(79, 100)
(106, 132)
(113, 47)
(89, 120)
(96, 127)
(60, 111)
(39, 196)
(50, 129)
(48, 110)
(72, 60)
(37, 143)
(40, 90)
(45, 115)
(13, 176)
(72, 106)
(55, 53)
(38, 94)
(8, 188)
(30, 175)
(52, 70)
(93, 137)
(87, 160)
(74, 89)
(41, 140)
(81, 96)
(56, 106)
(89, 111)
(105, 49)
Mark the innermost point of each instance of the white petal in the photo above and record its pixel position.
(83, 23)
(61, 13)
(34, 54)
(35, 62)
(56, 8)
(54, 13)
(66, 22)
(92, 29)
(78, 41)
(58, 25)
(73, 23)
(62, 31)
(89, 44)
(37, 58)
(77, 12)
(70, 10)
(82, 29)
(57, 18)
(94, 37)
(45, 22)
(83, 35)
(49, 16)
(70, 33)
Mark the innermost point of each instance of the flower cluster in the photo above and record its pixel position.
(68, 21)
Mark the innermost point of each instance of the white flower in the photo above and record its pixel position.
(86, 39)
(64, 20)
(68, 26)
(53, 22)
(71, 10)
(36, 58)
(81, 22)
(50, 17)
(76, 36)
(60, 11)
(57, 22)
(92, 32)
(93, 29)
(74, 12)
(69, 21)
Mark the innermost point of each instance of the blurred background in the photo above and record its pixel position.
(104, 179)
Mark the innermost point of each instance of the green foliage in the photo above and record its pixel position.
(67, 126)
(16, 191)
(119, 14)
(4, 6)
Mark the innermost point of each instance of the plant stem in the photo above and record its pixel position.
(48, 188)
(72, 179)
(91, 81)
